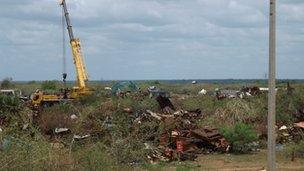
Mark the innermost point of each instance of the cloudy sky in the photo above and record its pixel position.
(151, 39)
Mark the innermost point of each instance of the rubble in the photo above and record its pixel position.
(108, 88)
(182, 138)
(61, 130)
(242, 93)
(291, 133)
(202, 92)
(222, 94)
(154, 92)
(251, 91)
(74, 117)
(80, 137)
(25, 126)
(128, 110)
(152, 88)
(283, 128)
(264, 89)
(156, 116)
(211, 138)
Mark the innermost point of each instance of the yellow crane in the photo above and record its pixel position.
(82, 75)
(81, 89)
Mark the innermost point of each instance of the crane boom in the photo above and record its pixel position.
(39, 98)
(82, 75)
(68, 21)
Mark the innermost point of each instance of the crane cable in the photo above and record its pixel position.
(64, 74)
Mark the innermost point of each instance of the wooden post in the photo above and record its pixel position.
(271, 156)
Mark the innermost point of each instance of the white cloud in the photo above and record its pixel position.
(162, 38)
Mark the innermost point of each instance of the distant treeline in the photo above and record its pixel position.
(210, 81)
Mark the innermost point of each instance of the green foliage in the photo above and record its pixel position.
(122, 124)
(239, 136)
(31, 82)
(89, 100)
(7, 83)
(138, 105)
(294, 149)
(49, 85)
(9, 105)
(116, 140)
(192, 103)
(299, 148)
(156, 82)
(40, 155)
(183, 168)
(95, 158)
(128, 151)
(287, 105)
(147, 104)
(232, 111)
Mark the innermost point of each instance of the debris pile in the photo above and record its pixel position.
(182, 138)
(222, 94)
(291, 133)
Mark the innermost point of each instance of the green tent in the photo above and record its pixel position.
(124, 86)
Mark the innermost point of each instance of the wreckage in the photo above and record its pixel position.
(182, 138)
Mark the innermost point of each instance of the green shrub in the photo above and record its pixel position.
(294, 150)
(236, 110)
(287, 105)
(49, 85)
(90, 99)
(147, 104)
(299, 149)
(128, 151)
(9, 105)
(192, 103)
(95, 158)
(7, 83)
(23, 154)
(239, 136)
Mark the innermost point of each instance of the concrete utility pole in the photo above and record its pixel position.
(271, 156)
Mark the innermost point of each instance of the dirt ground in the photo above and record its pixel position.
(248, 162)
(230, 162)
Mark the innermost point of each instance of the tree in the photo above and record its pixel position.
(7, 83)
(49, 85)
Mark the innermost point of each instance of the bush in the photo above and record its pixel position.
(293, 150)
(128, 151)
(55, 117)
(147, 104)
(287, 105)
(7, 83)
(89, 100)
(299, 149)
(240, 136)
(49, 85)
(236, 110)
(192, 103)
(9, 105)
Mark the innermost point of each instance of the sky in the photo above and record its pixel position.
(151, 39)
